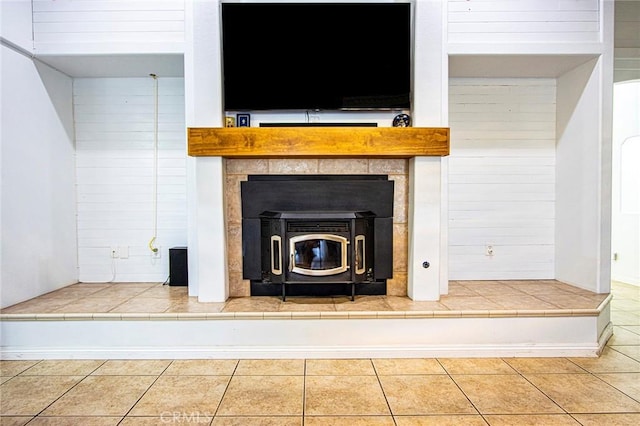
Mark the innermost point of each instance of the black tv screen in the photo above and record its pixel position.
(316, 56)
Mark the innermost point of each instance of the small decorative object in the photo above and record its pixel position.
(243, 120)
(401, 120)
(229, 122)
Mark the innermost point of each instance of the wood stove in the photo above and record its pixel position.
(317, 235)
(311, 247)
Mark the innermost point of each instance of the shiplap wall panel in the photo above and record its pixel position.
(98, 27)
(105, 16)
(114, 170)
(502, 178)
(489, 21)
(557, 6)
(66, 23)
(107, 5)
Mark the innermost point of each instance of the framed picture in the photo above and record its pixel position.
(243, 120)
(229, 122)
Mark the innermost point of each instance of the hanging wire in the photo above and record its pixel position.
(113, 270)
(152, 247)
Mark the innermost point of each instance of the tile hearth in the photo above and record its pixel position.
(466, 298)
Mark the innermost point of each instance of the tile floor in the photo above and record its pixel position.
(494, 391)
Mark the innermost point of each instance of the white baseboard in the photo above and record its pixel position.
(570, 336)
(301, 353)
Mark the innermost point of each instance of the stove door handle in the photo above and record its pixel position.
(291, 262)
(276, 255)
(361, 262)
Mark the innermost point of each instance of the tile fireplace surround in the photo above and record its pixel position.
(237, 170)
(317, 151)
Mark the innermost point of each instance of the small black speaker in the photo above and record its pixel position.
(178, 271)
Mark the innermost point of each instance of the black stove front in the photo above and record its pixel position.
(317, 235)
(311, 248)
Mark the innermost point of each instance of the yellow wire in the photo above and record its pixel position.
(151, 247)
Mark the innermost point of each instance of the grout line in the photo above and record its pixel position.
(460, 389)
(28, 368)
(304, 390)
(144, 393)
(541, 391)
(375, 370)
(64, 393)
(226, 388)
(604, 382)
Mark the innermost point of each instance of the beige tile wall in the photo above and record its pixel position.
(238, 170)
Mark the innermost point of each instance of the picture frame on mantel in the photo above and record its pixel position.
(243, 120)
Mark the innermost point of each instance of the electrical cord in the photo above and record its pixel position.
(113, 270)
(152, 247)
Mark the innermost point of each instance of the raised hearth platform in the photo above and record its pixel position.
(463, 324)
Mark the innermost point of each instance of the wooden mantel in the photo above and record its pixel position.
(325, 142)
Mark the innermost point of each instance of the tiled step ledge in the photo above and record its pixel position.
(307, 315)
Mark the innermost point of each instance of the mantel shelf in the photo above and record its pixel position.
(323, 142)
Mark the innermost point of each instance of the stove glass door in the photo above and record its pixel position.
(318, 254)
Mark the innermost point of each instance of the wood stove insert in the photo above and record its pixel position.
(317, 235)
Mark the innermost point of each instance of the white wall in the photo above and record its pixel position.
(626, 183)
(627, 40)
(427, 210)
(114, 119)
(38, 224)
(582, 185)
(502, 178)
(108, 26)
(208, 278)
(509, 21)
(15, 23)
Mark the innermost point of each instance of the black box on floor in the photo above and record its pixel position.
(178, 272)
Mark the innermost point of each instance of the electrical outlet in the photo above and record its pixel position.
(488, 249)
(156, 254)
(123, 252)
(113, 252)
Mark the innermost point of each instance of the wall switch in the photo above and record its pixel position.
(488, 250)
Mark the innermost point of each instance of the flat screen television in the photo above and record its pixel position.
(316, 56)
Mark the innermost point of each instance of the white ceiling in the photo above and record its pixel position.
(540, 66)
(173, 65)
(117, 65)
